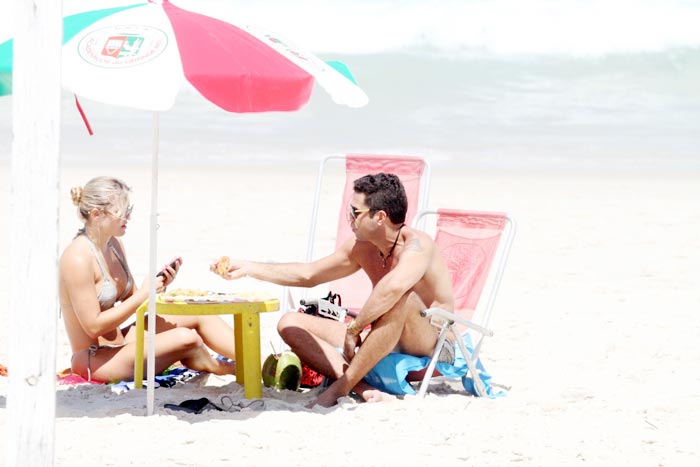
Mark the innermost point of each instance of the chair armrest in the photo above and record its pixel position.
(452, 318)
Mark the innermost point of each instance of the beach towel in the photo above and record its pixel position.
(389, 375)
(73, 380)
(167, 379)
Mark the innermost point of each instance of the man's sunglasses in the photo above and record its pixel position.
(355, 213)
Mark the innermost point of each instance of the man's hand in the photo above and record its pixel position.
(351, 343)
(229, 269)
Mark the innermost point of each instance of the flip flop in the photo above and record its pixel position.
(195, 406)
(252, 404)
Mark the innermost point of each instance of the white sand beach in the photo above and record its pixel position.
(581, 119)
(596, 329)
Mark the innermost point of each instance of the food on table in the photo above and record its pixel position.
(187, 293)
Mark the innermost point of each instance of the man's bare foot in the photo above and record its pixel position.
(327, 398)
(375, 395)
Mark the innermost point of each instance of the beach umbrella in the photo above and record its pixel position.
(140, 54)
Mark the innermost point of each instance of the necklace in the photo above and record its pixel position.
(391, 250)
(92, 238)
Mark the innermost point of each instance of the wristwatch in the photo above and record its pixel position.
(353, 329)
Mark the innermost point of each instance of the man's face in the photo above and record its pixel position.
(358, 214)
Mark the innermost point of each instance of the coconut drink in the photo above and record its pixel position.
(282, 371)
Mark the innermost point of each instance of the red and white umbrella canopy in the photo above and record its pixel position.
(140, 53)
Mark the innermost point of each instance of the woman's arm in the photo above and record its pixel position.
(76, 271)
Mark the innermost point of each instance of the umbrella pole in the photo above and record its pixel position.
(151, 358)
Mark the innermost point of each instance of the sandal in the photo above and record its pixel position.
(198, 406)
(195, 406)
(252, 404)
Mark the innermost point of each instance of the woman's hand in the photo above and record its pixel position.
(169, 272)
(160, 286)
(163, 280)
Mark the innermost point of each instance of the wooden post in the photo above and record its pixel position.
(33, 224)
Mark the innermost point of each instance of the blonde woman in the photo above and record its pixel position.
(97, 294)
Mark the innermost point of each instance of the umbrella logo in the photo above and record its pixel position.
(122, 46)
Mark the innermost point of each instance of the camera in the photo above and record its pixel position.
(326, 307)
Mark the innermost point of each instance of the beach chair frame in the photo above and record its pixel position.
(448, 321)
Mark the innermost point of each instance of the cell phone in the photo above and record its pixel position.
(175, 262)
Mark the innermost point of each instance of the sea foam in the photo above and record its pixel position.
(464, 28)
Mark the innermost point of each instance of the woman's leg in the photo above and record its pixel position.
(214, 331)
(112, 364)
(195, 325)
(172, 344)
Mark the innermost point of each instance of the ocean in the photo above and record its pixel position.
(515, 84)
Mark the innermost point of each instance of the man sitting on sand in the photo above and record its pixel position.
(407, 274)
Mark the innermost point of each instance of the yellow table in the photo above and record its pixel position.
(246, 332)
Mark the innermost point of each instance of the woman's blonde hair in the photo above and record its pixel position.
(103, 193)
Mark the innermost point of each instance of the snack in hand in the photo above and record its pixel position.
(222, 266)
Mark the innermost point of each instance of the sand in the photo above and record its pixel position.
(596, 329)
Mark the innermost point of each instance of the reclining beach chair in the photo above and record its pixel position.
(475, 246)
(414, 173)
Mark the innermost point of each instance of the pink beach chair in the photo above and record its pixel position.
(476, 246)
(414, 173)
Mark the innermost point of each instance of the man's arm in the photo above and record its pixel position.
(329, 268)
(410, 268)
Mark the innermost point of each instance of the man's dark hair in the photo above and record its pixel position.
(384, 192)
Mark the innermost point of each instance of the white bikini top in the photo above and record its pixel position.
(107, 295)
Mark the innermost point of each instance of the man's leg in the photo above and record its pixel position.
(401, 325)
(315, 341)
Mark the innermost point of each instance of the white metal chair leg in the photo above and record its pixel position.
(471, 365)
(433, 362)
